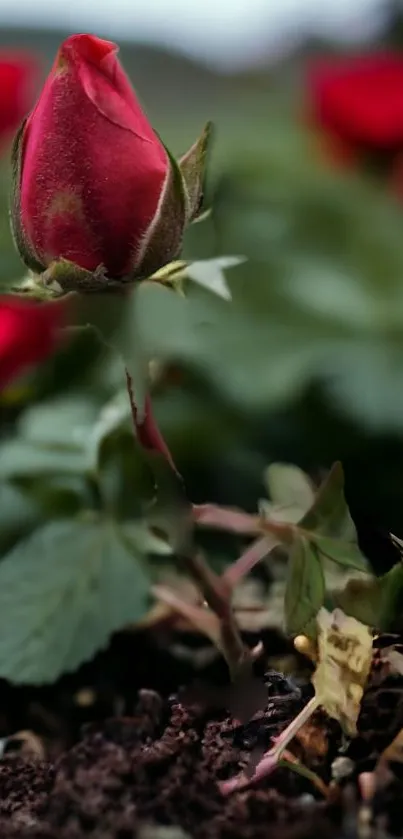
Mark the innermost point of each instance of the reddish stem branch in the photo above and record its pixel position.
(221, 518)
(147, 431)
(253, 554)
(217, 595)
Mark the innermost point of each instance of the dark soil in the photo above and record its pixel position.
(158, 760)
(108, 685)
(162, 765)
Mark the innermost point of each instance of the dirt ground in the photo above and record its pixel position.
(118, 754)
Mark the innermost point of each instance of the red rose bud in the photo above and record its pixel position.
(29, 333)
(93, 184)
(358, 102)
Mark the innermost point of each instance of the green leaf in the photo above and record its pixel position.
(52, 438)
(376, 601)
(141, 540)
(63, 592)
(327, 517)
(57, 496)
(343, 553)
(18, 515)
(305, 587)
(20, 458)
(65, 421)
(124, 477)
(391, 598)
(318, 517)
(360, 598)
(114, 417)
(114, 455)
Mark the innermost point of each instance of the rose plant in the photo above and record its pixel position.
(98, 203)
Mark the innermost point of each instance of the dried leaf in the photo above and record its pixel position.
(345, 655)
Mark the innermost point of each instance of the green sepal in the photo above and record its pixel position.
(67, 276)
(23, 247)
(163, 241)
(193, 168)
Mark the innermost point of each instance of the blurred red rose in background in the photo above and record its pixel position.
(19, 79)
(29, 333)
(358, 104)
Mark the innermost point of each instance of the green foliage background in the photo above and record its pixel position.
(304, 365)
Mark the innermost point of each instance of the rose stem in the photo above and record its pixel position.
(215, 591)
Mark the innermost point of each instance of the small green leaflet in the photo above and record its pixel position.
(291, 493)
(305, 587)
(323, 519)
(329, 514)
(376, 601)
(209, 273)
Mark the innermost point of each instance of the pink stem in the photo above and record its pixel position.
(254, 554)
(270, 760)
(221, 518)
